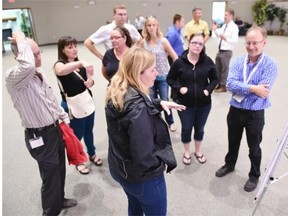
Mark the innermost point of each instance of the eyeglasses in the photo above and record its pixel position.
(115, 37)
(254, 43)
(195, 43)
(38, 53)
(122, 14)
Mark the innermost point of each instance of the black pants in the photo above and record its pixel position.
(253, 122)
(51, 162)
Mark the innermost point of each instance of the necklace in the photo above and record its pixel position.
(193, 61)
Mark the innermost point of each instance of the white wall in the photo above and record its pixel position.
(55, 18)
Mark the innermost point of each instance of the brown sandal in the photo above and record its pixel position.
(96, 160)
(201, 159)
(83, 171)
(188, 159)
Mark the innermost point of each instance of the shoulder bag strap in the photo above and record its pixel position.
(80, 77)
(60, 86)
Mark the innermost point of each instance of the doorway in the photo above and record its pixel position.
(218, 12)
(16, 19)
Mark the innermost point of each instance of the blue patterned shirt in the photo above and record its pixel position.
(265, 73)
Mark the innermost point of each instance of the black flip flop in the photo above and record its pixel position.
(200, 157)
(98, 162)
(186, 158)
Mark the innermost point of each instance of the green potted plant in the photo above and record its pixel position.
(271, 14)
(259, 12)
(24, 27)
(282, 18)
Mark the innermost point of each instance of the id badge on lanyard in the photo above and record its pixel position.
(246, 79)
(36, 142)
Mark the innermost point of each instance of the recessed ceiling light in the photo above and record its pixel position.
(76, 6)
(91, 2)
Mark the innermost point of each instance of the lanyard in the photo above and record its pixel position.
(245, 79)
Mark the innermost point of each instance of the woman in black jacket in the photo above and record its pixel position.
(139, 142)
(193, 78)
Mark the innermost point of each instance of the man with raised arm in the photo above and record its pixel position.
(102, 35)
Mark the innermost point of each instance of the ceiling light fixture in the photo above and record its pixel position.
(91, 2)
(76, 6)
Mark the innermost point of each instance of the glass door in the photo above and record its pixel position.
(16, 19)
(218, 12)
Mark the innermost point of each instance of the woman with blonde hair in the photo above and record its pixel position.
(154, 41)
(139, 143)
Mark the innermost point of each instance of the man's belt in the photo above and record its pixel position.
(32, 130)
(225, 50)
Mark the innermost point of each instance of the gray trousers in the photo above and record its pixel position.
(222, 66)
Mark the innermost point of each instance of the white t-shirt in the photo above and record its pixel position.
(140, 23)
(102, 35)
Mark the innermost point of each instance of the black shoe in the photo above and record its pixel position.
(68, 203)
(224, 170)
(250, 185)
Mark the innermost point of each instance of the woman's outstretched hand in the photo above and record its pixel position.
(166, 105)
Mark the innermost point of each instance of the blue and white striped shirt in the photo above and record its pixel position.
(266, 73)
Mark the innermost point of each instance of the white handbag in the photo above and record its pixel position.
(80, 105)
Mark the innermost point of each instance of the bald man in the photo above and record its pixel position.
(40, 114)
(250, 80)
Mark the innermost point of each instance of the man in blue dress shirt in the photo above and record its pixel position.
(174, 35)
(250, 80)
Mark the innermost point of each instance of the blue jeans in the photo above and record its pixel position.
(161, 88)
(148, 197)
(193, 117)
(83, 128)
